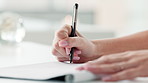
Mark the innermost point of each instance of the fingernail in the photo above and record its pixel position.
(106, 78)
(76, 58)
(67, 51)
(78, 52)
(63, 43)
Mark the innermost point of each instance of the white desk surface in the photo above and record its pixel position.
(30, 53)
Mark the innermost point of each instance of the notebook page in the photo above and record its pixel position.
(44, 71)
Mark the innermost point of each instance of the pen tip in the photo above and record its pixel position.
(70, 61)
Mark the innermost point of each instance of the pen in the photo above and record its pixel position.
(73, 29)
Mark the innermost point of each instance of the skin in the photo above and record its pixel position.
(61, 49)
(89, 50)
(120, 66)
(132, 42)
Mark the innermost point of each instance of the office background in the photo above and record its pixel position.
(97, 18)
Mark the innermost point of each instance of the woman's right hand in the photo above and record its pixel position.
(85, 50)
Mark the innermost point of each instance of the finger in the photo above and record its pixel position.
(111, 68)
(113, 58)
(62, 59)
(76, 57)
(55, 45)
(77, 51)
(56, 53)
(67, 51)
(102, 69)
(60, 50)
(123, 75)
(144, 69)
(72, 42)
(63, 32)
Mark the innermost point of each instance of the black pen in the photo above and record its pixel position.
(73, 29)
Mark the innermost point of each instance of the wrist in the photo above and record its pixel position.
(104, 47)
(97, 48)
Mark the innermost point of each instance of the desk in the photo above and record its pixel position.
(24, 53)
(31, 53)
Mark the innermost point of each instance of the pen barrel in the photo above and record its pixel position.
(71, 53)
(72, 49)
(73, 30)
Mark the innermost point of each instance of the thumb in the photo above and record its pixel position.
(63, 32)
(70, 42)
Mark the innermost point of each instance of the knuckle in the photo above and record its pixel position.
(56, 32)
(66, 26)
(105, 59)
(56, 45)
(59, 33)
(59, 59)
(71, 41)
(76, 41)
(54, 52)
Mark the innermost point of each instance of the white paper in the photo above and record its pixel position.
(44, 71)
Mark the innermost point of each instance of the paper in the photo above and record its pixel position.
(47, 71)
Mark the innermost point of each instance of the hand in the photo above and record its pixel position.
(85, 49)
(121, 66)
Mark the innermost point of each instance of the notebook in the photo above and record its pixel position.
(47, 71)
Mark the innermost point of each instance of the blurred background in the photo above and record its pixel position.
(97, 18)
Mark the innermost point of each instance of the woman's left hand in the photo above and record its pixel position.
(121, 66)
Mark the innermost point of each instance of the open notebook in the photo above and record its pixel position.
(47, 71)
